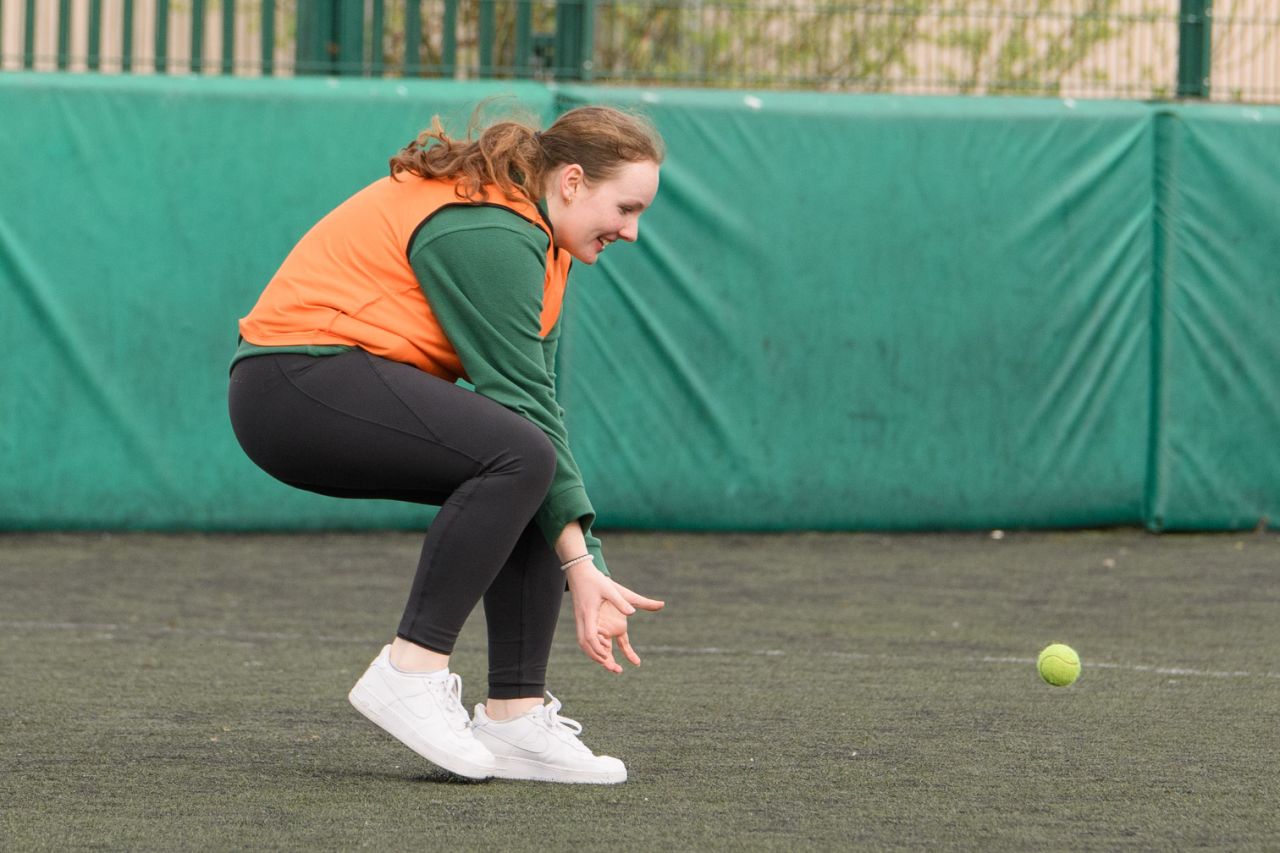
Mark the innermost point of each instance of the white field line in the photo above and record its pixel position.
(1158, 670)
(111, 628)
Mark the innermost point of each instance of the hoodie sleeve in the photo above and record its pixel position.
(482, 271)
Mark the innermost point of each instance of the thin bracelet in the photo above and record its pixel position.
(575, 561)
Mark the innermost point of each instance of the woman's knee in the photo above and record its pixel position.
(531, 454)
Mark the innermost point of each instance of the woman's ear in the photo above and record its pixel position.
(571, 180)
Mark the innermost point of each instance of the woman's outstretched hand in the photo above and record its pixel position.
(600, 610)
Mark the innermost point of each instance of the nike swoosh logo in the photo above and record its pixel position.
(534, 741)
(421, 704)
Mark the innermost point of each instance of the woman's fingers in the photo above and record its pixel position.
(614, 596)
(609, 663)
(590, 589)
(588, 638)
(602, 617)
(639, 600)
(625, 644)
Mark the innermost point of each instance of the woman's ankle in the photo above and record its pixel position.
(411, 657)
(499, 710)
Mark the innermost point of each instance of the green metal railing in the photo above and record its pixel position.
(350, 37)
(1194, 48)
(1225, 49)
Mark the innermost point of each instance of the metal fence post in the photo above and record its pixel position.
(568, 39)
(228, 37)
(64, 35)
(349, 26)
(126, 37)
(160, 40)
(575, 37)
(315, 37)
(29, 36)
(94, 61)
(486, 35)
(449, 41)
(377, 55)
(1195, 49)
(412, 39)
(524, 38)
(268, 38)
(196, 64)
(587, 42)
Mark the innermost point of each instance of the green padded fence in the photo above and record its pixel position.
(139, 219)
(843, 311)
(1217, 452)
(875, 312)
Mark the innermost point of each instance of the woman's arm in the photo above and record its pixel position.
(482, 271)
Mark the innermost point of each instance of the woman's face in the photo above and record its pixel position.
(587, 217)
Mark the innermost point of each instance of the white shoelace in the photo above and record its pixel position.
(451, 693)
(562, 727)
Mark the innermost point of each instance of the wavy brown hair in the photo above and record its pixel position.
(517, 158)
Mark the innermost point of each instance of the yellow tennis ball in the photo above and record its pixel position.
(1058, 665)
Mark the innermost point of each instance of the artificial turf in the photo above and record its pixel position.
(801, 691)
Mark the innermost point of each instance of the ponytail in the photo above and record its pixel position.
(516, 158)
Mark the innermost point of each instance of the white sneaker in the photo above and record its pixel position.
(543, 746)
(425, 713)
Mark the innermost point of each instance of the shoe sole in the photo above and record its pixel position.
(526, 770)
(386, 718)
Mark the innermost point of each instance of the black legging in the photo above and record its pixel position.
(358, 426)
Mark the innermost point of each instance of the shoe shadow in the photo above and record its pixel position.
(429, 775)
